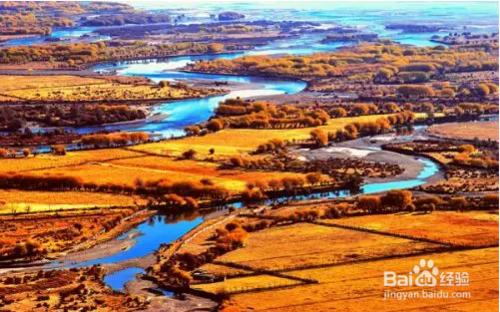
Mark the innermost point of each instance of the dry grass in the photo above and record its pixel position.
(487, 130)
(39, 201)
(302, 244)
(330, 257)
(101, 92)
(359, 287)
(236, 141)
(38, 290)
(70, 159)
(28, 83)
(149, 168)
(223, 270)
(55, 234)
(75, 88)
(467, 228)
(246, 284)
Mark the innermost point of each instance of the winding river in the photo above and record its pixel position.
(169, 119)
(151, 234)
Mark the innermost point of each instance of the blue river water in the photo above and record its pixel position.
(429, 169)
(373, 16)
(118, 279)
(58, 33)
(158, 230)
(149, 235)
(178, 114)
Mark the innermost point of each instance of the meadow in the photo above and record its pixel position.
(39, 234)
(83, 89)
(329, 262)
(467, 130)
(163, 160)
(472, 228)
(359, 286)
(228, 142)
(304, 245)
(18, 201)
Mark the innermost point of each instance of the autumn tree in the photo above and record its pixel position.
(397, 198)
(319, 136)
(372, 203)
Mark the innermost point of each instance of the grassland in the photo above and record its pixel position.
(338, 264)
(235, 141)
(474, 228)
(47, 161)
(487, 130)
(38, 201)
(78, 89)
(95, 167)
(308, 245)
(11, 83)
(358, 287)
(155, 161)
(60, 290)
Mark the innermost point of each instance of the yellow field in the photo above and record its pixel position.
(305, 244)
(487, 130)
(99, 92)
(120, 166)
(75, 88)
(223, 270)
(11, 83)
(311, 267)
(37, 201)
(235, 141)
(359, 287)
(125, 166)
(246, 284)
(70, 159)
(13, 88)
(467, 228)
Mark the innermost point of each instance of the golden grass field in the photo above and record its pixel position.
(347, 265)
(472, 228)
(75, 89)
(305, 244)
(64, 232)
(151, 168)
(11, 83)
(486, 130)
(45, 161)
(359, 287)
(39, 201)
(124, 166)
(235, 141)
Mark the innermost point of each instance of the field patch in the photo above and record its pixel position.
(359, 286)
(485, 130)
(474, 228)
(305, 245)
(78, 89)
(39, 201)
(243, 284)
(234, 141)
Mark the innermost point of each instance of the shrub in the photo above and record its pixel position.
(189, 154)
(59, 150)
(415, 90)
(370, 203)
(320, 137)
(398, 199)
